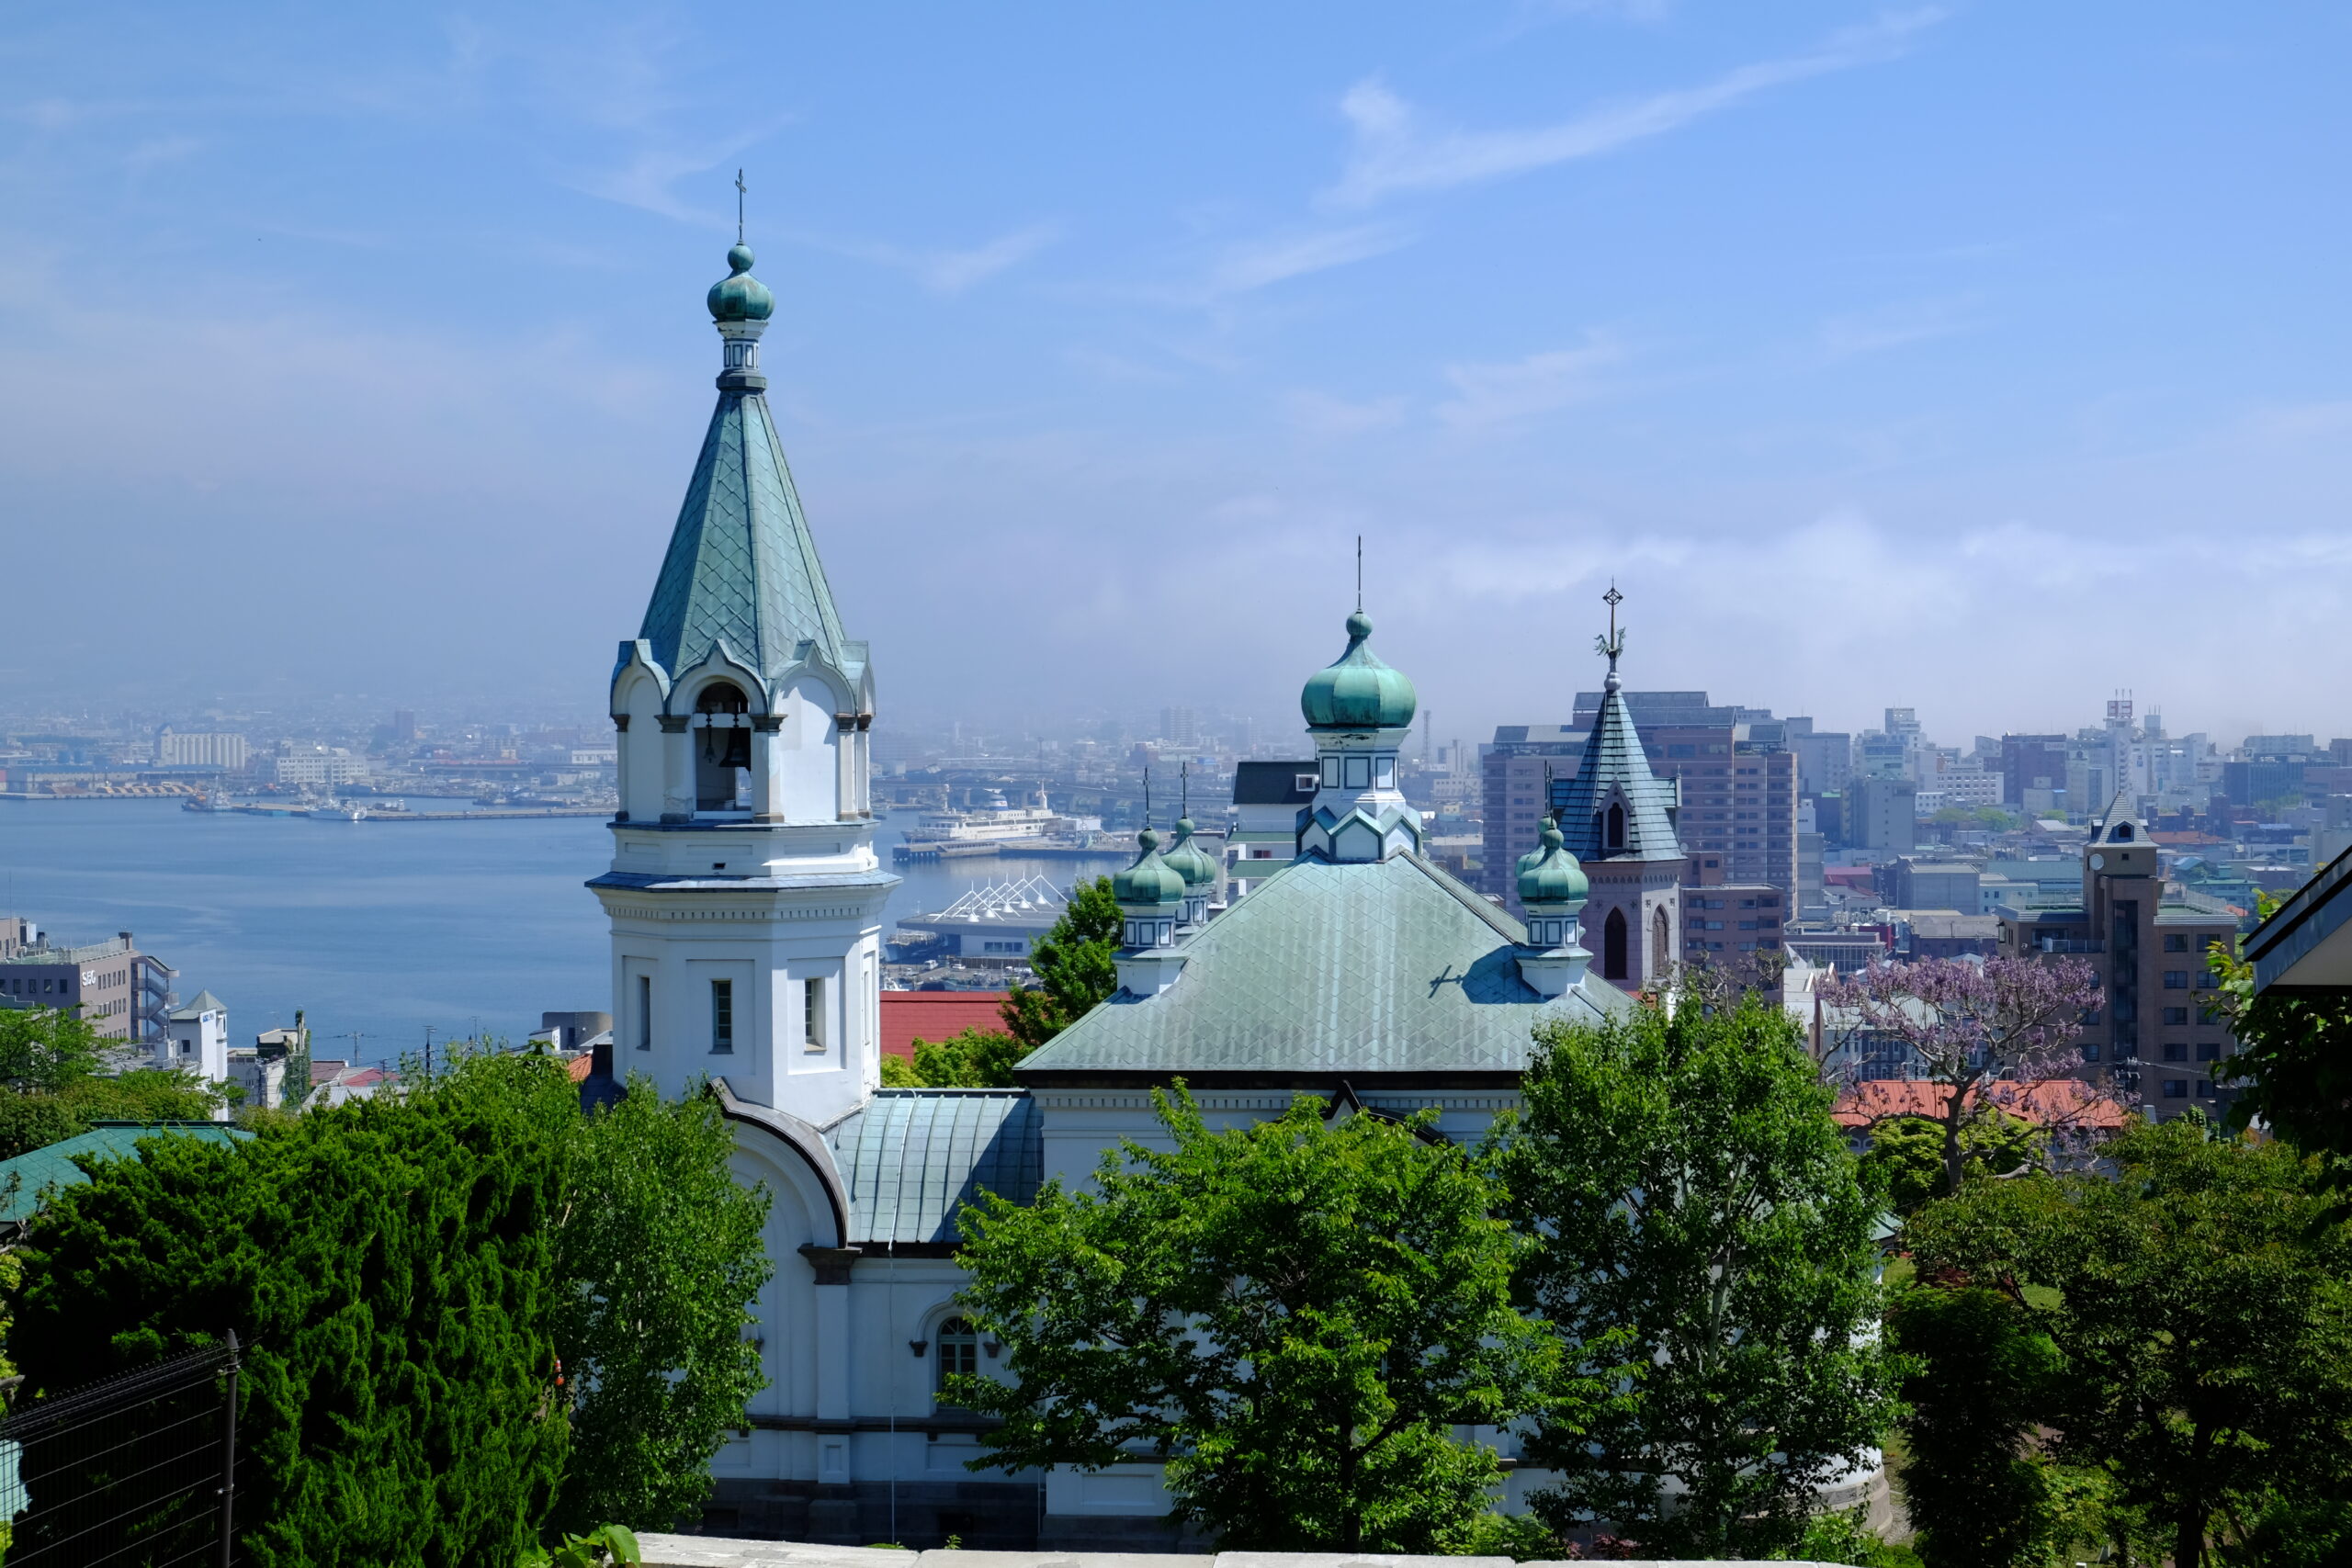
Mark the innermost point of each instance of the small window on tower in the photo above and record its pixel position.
(645, 1012)
(1616, 826)
(722, 1017)
(812, 1015)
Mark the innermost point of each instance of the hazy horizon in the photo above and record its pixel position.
(1979, 360)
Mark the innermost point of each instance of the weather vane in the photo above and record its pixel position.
(1615, 643)
(739, 188)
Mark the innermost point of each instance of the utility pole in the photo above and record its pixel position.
(428, 1053)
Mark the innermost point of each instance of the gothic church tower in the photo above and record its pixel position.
(744, 895)
(1618, 819)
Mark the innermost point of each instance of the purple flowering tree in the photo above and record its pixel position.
(2007, 1021)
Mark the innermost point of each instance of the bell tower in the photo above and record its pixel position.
(745, 893)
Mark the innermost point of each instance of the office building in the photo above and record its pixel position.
(2151, 1032)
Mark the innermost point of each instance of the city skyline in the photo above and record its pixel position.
(1921, 358)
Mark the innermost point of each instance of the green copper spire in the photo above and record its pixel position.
(742, 566)
(1187, 859)
(1549, 874)
(740, 297)
(1148, 881)
(1357, 691)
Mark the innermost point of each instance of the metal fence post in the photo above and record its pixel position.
(228, 1458)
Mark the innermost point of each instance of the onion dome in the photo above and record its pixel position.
(1187, 859)
(740, 297)
(1150, 880)
(1358, 692)
(1550, 874)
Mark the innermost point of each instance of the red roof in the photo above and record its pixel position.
(1847, 875)
(2067, 1103)
(908, 1016)
(578, 1068)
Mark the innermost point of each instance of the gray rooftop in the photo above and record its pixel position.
(913, 1158)
(1377, 968)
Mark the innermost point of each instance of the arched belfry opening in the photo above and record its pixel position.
(722, 745)
(1661, 946)
(1613, 946)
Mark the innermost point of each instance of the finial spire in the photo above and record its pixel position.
(739, 188)
(1146, 798)
(1358, 571)
(1184, 787)
(1615, 643)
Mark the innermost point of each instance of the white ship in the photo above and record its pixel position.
(338, 811)
(994, 821)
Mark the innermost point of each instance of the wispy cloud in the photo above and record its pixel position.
(1275, 257)
(1898, 325)
(1491, 396)
(1320, 414)
(1394, 152)
(944, 271)
(952, 271)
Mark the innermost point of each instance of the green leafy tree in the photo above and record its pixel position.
(2294, 1062)
(44, 1050)
(2200, 1308)
(1294, 1315)
(1907, 1154)
(1977, 1491)
(659, 1252)
(32, 1120)
(388, 1268)
(1076, 966)
(973, 1058)
(1704, 1238)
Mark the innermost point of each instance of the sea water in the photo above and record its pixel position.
(379, 929)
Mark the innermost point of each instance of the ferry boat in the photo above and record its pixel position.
(994, 821)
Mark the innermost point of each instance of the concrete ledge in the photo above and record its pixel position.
(720, 1551)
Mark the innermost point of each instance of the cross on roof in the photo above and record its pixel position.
(1615, 643)
(739, 188)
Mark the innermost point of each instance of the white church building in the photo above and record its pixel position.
(745, 900)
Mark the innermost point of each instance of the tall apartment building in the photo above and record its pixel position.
(2150, 1032)
(173, 750)
(1517, 772)
(1825, 757)
(1180, 727)
(1738, 792)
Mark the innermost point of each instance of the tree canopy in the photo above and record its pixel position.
(469, 1311)
(1970, 1024)
(1702, 1240)
(2199, 1304)
(1075, 964)
(1294, 1315)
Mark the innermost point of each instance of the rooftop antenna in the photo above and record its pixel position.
(739, 188)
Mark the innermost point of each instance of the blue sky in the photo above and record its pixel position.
(1984, 358)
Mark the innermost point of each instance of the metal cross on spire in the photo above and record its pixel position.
(1615, 643)
(739, 188)
(1146, 798)
(1358, 571)
(1184, 789)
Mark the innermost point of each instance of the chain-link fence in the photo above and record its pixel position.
(135, 1471)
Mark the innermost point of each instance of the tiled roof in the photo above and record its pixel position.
(1614, 758)
(1381, 967)
(913, 1158)
(908, 1016)
(741, 565)
(24, 1181)
(2054, 1103)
